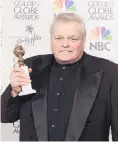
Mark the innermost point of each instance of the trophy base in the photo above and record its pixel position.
(27, 92)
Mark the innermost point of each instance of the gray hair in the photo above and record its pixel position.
(69, 17)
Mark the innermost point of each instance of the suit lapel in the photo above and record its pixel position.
(39, 103)
(40, 117)
(83, 100)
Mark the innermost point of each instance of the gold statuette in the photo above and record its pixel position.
(19, 53)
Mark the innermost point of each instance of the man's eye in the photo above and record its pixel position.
(73, 39)
(58, 38)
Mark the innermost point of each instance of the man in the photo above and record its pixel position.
(76, 94)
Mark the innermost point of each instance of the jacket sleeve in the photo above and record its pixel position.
(10, 107)
(114, 108)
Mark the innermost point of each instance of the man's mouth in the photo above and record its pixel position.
(66, 51)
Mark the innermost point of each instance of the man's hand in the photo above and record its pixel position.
(18, 78)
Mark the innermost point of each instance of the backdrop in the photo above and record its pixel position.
(27, 22)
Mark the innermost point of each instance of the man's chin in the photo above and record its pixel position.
(63, 61)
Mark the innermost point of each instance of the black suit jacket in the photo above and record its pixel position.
(94, 109)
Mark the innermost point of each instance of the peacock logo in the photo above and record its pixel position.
(100, 33)
(68, 5)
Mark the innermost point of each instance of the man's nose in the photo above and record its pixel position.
(65, 43)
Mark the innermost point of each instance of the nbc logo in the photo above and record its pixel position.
(68, 5)
(100, 33)
(100, 39)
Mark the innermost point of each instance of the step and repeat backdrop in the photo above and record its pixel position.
(27, 22)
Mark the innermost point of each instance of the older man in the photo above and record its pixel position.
(76, 94)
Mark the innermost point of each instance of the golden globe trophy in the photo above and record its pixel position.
(19, 53)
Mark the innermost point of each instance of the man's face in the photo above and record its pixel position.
(67, 42)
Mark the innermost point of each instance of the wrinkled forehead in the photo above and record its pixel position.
(67, 27)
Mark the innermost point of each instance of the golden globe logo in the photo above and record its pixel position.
(101, 10)
(26, 10)
(16, 126)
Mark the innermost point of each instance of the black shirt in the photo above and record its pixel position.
(59, 99)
